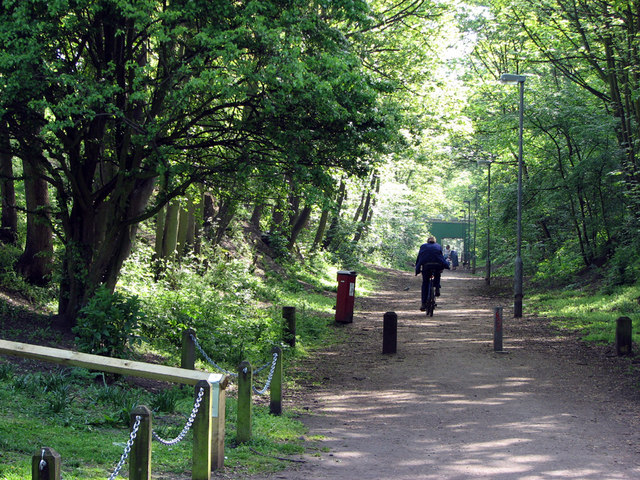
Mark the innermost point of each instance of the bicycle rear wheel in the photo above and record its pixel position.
(431, 299)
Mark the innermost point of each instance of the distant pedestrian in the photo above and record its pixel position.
(453, 256)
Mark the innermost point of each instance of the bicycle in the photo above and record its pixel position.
(430, 303)
(431, 296)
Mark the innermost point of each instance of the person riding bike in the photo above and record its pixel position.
(430, 260)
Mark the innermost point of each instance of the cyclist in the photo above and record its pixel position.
(430, 260)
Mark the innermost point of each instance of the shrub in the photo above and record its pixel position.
(108, 323)
(623, 268)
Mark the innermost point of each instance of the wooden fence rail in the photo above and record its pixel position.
(208, 427)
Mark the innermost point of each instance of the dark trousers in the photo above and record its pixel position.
(426, 273)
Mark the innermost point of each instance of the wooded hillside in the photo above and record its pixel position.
(335, 127)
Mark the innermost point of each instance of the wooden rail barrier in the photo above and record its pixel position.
(208, 429)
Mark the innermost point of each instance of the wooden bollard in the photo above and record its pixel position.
(188, 354)
(275, 390)
(140, 455)
(217, 425)
(390, 332)
(245, 404)
(202, 434)
(497, 329)
(45, 464)
(289, 330)
(624, 335)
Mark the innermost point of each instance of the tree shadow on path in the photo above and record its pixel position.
(446, 406)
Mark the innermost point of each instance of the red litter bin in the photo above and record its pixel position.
(346, 296)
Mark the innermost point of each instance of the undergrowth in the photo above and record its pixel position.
(234, 306)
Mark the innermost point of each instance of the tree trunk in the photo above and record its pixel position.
(301, 222)
(322, 226)
(91, 260)
(183, 226)
(256, 215)
(9, 220)
(170, 236)
(161, 217)
(192, 210)
(226, 212)
(36, 262)
(277, 217)
(335, 220)
(366, 208)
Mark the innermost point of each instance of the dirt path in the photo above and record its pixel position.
(446, 406)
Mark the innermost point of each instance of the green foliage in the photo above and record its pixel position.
(107, 324)
(11, 282)
(593, 315)
(624, 267)
(272, 436)
(561, 268)
(167, 400)
(197, 93)
(6, 371)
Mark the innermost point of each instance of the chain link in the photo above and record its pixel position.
(43, 462)
(127, 449)
(268, 384)
(187, 426)
(215, 365)
(208, 358)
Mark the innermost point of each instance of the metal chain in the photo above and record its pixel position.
(215, 365)
(187, 426)
(43, 462)
(208, 358)
(258, 370)
(268, 384)
(127, 449)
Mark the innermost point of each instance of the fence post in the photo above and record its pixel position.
(390, 332)
(497, 329)
(140, 455)
(245, 382)
(289, 333)
(218, 425)
(275, 390)
(202, 434)
(624, 335)
(50, 460)
(188, 354)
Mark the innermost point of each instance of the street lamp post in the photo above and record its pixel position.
(511, 79)
(475, 227)
(487, 277)
(467, 238)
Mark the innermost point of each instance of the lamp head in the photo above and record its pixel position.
(512, 79)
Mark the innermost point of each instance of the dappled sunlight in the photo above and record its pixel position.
(446, 406)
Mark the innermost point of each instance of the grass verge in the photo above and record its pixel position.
(237, 315)
(594, 316)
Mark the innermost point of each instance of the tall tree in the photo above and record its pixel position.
(36, 262)
(187, 91)
(9, 219)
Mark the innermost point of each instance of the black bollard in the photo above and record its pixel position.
(624, 336)
(390, 333)
(497, 329)
(289, 330)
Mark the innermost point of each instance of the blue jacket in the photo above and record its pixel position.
(430, 253)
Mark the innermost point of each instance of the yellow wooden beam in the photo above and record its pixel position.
(112, 365)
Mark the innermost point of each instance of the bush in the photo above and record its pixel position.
(108, 323)
(562, 268)
(623, 268)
